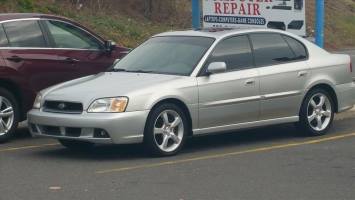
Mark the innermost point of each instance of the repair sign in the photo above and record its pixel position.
(288, 15)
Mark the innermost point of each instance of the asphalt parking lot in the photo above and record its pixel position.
(275, 162)
(268, 163)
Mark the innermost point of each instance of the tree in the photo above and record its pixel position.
(148, 7)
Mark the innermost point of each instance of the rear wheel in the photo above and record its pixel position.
(76, 145)
(317, 112)
(9, 115)
(166, 130)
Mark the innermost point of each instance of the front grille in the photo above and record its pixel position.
(60, 131)
(63, 107)
(51, 130)
(33, 128)
(73, 132)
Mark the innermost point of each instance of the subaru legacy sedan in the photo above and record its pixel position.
(187, 83)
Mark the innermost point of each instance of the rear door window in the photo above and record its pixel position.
(3, 38)
(25, 33)
(270, 49)
(65, 35)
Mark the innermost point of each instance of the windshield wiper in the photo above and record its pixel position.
(117, 70)
(131, 71)
(139, 71)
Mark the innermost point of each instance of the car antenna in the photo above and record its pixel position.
(173, 6)
(171, 26)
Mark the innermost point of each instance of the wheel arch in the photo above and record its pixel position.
(178, 103)
(327, 87)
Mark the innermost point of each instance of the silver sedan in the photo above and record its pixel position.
(187, 83)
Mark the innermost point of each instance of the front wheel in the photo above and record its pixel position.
(317, 112)
(166, 130)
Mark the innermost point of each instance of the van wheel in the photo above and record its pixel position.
(317, 113)
(9, 115)
(166, 130)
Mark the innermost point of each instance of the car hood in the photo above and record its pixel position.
(108, 84)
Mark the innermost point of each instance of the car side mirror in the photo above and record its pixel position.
(216, 67)
(127, 51)
(116, 61)
(110, 45)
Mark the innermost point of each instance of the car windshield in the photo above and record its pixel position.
(175, 55)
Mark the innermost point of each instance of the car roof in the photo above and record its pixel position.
(13, 16)
(218, 33)
(19, 16)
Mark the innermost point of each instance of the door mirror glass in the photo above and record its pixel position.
(216, 67)
(110, 45)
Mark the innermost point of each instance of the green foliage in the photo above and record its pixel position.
(131, 28)
(25, 5)
(346, 30)
(125, 31)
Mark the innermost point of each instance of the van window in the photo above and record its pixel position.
(3, 39)
(25, 33)
(65, 35)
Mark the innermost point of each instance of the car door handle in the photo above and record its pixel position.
(302, 73)
(249, 82)
(15, 59)
(71, 60)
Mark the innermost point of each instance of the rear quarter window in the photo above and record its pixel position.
(297, 47)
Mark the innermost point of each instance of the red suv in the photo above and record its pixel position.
(37, 51)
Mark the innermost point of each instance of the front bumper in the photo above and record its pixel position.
(121, 128)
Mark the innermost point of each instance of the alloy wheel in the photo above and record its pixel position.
(319, 112)
(6, 116)
(168, 130)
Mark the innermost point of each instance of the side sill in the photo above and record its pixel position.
(245, 125)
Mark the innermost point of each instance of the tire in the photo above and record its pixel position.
(9, 115)
(76, 145)
(316, 117)
(166, 130)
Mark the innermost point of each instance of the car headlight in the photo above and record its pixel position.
(38, 101)
(109, 105)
